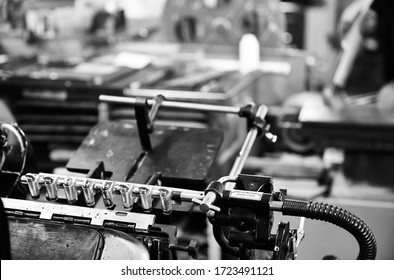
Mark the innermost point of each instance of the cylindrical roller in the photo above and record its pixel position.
(51, 187)
(146, 199)
(108, 195)
(166, 201)
(70, 190)
(88, 193)
(34, 186)
(127, 197)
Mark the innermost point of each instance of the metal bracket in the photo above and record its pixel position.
(145, 119)
(191, 249)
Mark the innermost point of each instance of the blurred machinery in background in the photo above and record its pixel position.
(356, 120)
(223, 22)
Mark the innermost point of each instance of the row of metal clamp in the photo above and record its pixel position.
(130, 193)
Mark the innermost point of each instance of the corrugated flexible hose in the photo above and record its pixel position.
(337, 216)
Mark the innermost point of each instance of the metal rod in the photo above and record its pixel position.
(239, 163)
(98, 184)
(246, 148)
(243, 153)
(174, 104)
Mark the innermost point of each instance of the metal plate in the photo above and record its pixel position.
(182, 155)
(97, 216)
(42, 240)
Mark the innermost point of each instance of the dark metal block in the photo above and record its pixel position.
(183, 155)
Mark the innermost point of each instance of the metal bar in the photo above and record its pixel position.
(244, 152)
(185, 194)
(143, 123)
(174, 104)
(246, 148)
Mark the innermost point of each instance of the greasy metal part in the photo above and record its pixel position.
(33, 185)
(71, 191)
(107, 194)
(97, 217)
(51, 187)
(88, 193)
(165, 201)
(127, 197)
(173, 104)
(146, 199)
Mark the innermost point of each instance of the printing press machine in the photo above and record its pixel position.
(134, 176)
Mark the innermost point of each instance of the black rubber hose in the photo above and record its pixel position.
(337, 216)
(221, 239)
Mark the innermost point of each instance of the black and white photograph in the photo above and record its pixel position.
(196, 139)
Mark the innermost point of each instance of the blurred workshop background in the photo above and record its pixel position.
(323, 68)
